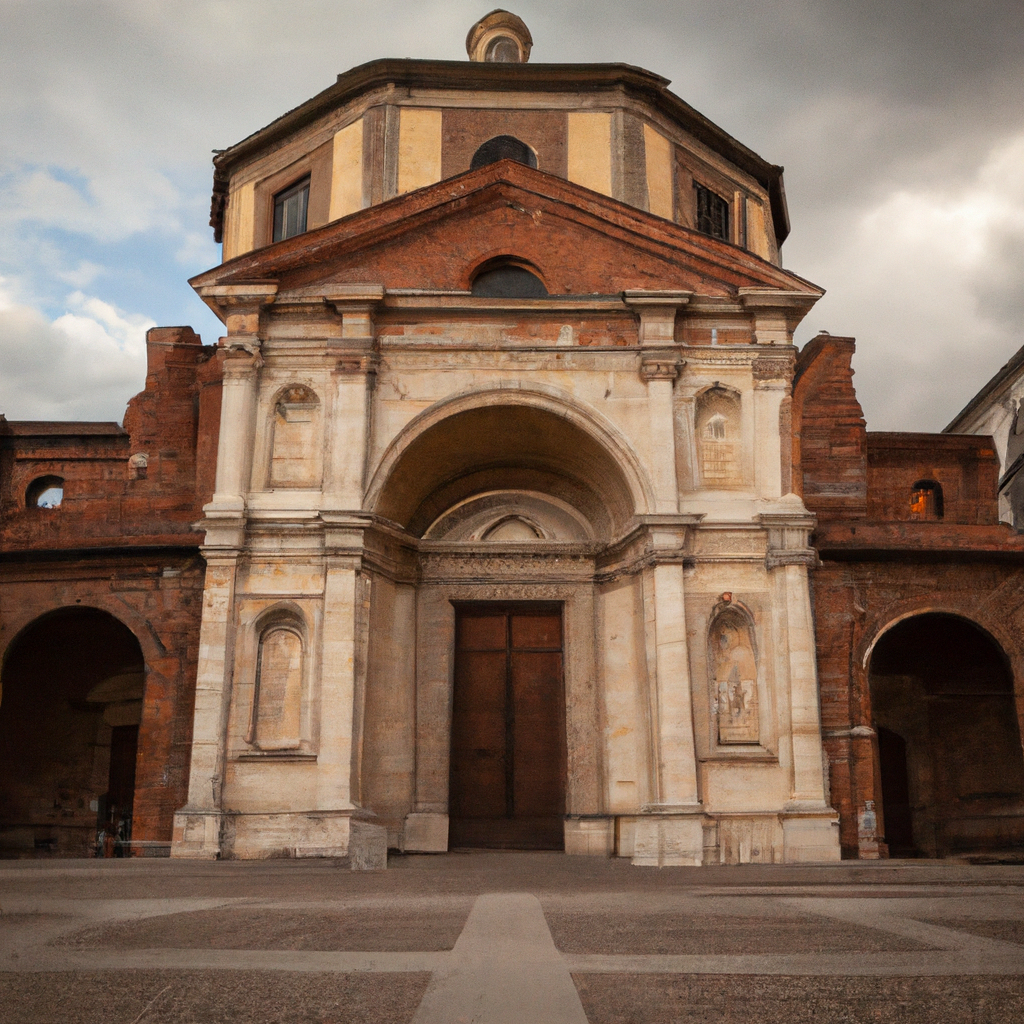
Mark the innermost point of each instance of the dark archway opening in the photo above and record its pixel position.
(503, 147)
(70, 706)
(950, 757)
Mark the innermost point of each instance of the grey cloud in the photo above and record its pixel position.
(861, 100)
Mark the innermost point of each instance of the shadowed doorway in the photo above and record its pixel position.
(507, 782)
(952, 766)
(70, 706)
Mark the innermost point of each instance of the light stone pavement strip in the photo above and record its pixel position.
(505, 968)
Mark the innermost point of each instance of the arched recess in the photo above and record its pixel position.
(719, 442)
(950, 756)
(70, 708)
(509, 441)
(275, 718)
(295, 458)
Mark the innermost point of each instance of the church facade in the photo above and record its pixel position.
(506, 513)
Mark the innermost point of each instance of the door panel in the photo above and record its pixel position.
(507, 785)
(478, 734)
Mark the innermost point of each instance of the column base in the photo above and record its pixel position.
(425, 832)
(235, 835)
(810, 834)
(196, 834)
(668, 840)
(590, 836)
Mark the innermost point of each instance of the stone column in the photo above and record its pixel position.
(810, 826)
(197, 824)
(772, 376)
(671, 828)
(351, 414)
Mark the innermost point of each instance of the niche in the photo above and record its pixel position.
(926, 500)
(295, 460)
(733, 661)
(718, 439)
(276, 719)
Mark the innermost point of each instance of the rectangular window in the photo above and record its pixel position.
(290, 210)
(712, 213)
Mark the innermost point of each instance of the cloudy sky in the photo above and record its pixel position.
(900, 124)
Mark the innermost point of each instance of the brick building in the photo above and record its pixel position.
(505, 513)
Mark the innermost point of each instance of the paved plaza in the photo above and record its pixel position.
(508, 937)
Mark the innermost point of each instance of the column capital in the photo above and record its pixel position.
(661, 366)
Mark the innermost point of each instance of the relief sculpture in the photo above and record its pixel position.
(735, 679)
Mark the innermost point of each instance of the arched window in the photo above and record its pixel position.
(507, 280)
(45, 492)
(276, 719)
(718, 438)
(503, 147)
(926, 500)
(296, 458)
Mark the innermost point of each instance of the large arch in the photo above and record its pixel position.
(951, 762)
(71, 691)
(506, 439)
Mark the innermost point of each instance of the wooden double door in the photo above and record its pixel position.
(507, 784)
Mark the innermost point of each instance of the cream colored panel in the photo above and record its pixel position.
(277, 711)
(347, 173)
(238, 236)
(659, 173)
(419, 148)
(757, 235)
(590, 151)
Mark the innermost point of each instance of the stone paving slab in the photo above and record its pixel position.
(137, 943)
(209, 997)
(671, 932)
(371, 929)
(701, 999)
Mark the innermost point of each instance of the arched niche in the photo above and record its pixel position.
(296, 459)
(505, 447)
(950, 758)
(276, 714)
(732, 660)
(719, 447)
(71, 693)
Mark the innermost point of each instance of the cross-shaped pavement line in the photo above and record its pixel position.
(504, 969)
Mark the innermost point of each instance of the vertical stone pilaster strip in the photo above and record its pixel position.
(197, 824)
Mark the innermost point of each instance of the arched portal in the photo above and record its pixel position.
(487, 644)
(950, 757)
(501, 443)
(70, 706)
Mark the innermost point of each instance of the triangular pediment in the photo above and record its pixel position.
(582, 242)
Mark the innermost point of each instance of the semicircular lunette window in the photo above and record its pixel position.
(508, 281)
(503, 147)
(45, 492)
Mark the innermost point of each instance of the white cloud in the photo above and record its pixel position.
(85, 364)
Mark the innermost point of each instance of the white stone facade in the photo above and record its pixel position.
(384, 456)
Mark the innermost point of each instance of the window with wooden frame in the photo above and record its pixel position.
(712, 213)
(290, 208)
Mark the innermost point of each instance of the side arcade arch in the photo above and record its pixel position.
(70, 708)
(951, 763)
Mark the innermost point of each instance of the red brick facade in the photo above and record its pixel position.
(121, 541)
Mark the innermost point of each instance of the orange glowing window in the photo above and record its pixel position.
(926, 500)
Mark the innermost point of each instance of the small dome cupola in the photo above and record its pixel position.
(499, 38)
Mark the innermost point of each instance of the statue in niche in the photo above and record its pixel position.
(735, 678)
